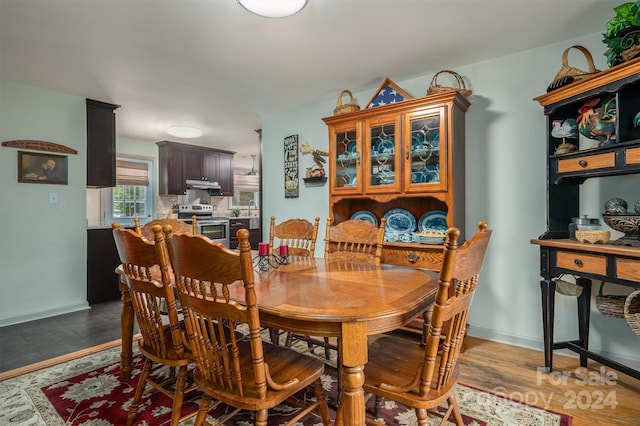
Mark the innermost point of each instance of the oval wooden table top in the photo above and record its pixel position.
(315, 296)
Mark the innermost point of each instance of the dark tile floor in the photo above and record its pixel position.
(34, 341)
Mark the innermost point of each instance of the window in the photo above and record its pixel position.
(129, 201)
(133, 194)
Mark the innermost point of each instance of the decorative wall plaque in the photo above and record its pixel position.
(39, 146)
(291, 178)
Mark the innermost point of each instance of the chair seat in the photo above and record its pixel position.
(393, 360)
(284, 364)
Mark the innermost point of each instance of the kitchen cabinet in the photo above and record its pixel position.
(179, 162)
(101, 144)
(617, 153)
(237, 223)
(407, 155)
(102, 260)
(225, 173)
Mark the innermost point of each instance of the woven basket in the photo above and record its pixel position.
(610, 305)
(567, 288)
(569, 74)
(345, 108)
(435, 89)
(632, 311)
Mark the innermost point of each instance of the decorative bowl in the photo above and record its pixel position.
(593, 236)
(629, 224)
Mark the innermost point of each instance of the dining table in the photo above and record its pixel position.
(328, 298)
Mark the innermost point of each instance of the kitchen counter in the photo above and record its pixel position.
(124, 225)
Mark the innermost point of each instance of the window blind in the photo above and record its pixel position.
(242, 181)
(132, 173)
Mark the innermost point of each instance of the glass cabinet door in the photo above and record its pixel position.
(345, 175)
(382, 155)
(426, 150)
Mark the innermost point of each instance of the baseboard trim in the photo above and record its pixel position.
(535, 344)
(60, 359)
(44, 314)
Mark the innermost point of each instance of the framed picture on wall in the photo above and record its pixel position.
(42, 168)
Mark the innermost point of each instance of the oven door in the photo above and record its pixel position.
(215, 230)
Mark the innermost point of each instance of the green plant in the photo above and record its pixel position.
(623, 31)
(236, 212)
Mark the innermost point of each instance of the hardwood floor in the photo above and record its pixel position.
(592, 398)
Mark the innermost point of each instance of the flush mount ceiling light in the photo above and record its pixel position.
(184, 132)
(273, 8)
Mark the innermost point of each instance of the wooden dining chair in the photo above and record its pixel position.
(423, 377)
(178, 226)
(355, 240)
(153, 301)
(246, 374)
(299, 234)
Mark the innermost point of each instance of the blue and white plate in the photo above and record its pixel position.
(365, 215)
(434, 139)
(400, 221)
(435, 219)
(352, 149)
(385, 146)
(416, 140)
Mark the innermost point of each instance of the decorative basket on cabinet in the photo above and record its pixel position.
(343, 108)
(435, 89)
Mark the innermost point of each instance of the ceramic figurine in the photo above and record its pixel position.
(598, 123)
(616, 206)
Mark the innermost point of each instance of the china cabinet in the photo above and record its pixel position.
(406, 155)
(607, 108)
(179, 162)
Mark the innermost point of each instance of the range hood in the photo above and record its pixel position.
(202, 184)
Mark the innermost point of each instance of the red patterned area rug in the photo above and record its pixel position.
(87, 391)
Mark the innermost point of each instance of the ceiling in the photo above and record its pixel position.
(214, 65)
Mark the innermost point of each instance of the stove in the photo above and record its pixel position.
(186, 211)
(214, 228)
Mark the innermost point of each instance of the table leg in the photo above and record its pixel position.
(584, 312)
(548, 288)
(353, 353)
(126, 330)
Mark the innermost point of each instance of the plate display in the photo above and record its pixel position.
(351, 147)
(434, 219)
(365, 215)
(400, 221)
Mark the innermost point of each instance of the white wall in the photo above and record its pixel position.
(43, 256)
(505, 186)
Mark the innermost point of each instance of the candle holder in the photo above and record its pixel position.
(263, 261)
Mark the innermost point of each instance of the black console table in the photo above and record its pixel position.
(604, 262)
